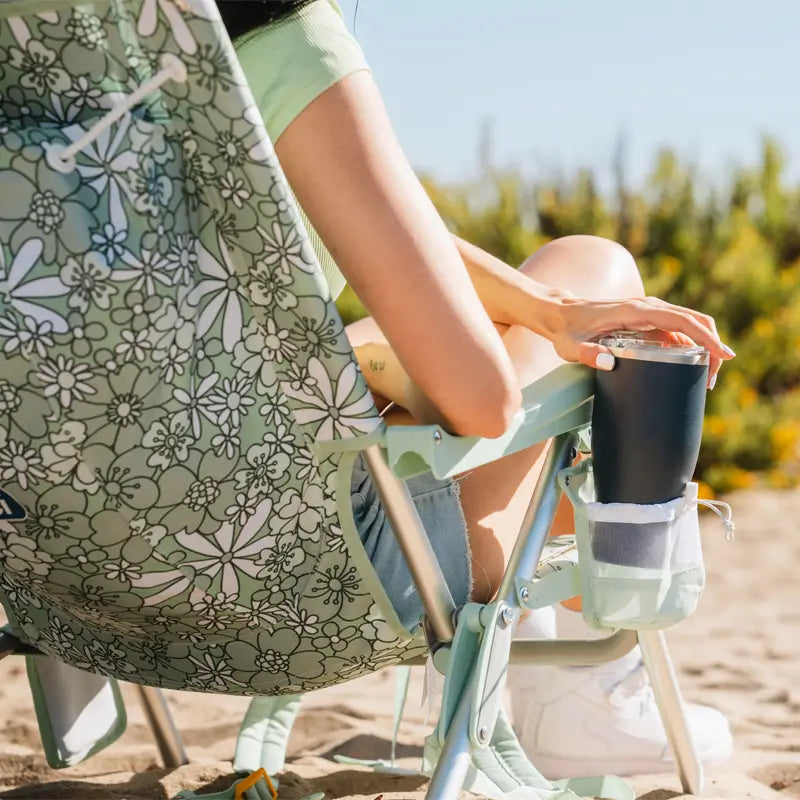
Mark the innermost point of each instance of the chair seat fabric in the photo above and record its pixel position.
(171, 363)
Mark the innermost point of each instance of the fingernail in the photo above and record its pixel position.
(712, 383)
(728, 350)
(604, 361)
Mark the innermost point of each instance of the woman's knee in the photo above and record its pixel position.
(587, 266)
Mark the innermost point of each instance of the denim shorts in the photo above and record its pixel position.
(439, 506)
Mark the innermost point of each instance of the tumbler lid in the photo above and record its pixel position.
(637, 345)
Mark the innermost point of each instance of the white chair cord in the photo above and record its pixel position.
(724, 512)
(63, 158)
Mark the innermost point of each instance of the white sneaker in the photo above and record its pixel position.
(576, 721)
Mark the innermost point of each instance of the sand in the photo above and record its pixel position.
(739, 652)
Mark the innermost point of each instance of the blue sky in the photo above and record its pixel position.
(560, 80)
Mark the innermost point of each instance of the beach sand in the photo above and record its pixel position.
(739, 652)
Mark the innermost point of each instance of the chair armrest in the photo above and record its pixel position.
(561, 401)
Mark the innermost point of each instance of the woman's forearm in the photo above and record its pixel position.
(509, 296)
(386, 378)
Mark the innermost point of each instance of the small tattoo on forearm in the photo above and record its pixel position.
(376, 366)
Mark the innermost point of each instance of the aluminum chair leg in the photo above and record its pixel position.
(168, 739)
(670, 705)
(564, 652)
(415, 545)
(454, 761)
(573, 652)
(538, 518)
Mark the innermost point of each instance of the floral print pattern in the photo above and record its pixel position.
(172, 362)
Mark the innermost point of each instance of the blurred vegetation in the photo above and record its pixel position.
(732, 252)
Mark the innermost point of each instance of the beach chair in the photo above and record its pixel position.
(181, 411)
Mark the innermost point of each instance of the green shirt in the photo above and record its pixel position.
(288, 64)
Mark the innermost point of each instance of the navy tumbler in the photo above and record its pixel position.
(647, 421)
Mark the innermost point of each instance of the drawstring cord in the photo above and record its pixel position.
(62, 159)
(724, 512)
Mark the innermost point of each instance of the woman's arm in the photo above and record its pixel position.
(509, 296)
(346, 167)
(513, 297)
(570, 323)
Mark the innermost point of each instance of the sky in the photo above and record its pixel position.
(559, 82)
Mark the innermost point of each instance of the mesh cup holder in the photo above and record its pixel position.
(630, 544)
(641, 565)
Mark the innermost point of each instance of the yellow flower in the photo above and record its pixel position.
(716, 426)
(784, 438)
(765, 328)
(780, 479)
(670, 266)
(741, 479)
(748, 397)
(704, 491)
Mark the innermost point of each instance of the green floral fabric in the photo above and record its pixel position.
(177, 395)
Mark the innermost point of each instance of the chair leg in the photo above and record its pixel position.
(168, 739)
(455, 759)
(670, 705)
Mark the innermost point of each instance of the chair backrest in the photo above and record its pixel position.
(176, 388)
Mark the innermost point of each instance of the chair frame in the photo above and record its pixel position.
(442, 619)
(154, 704)
(451, 770)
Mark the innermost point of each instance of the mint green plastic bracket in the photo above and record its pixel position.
(488, 683)
(561, 401)
(550, 589)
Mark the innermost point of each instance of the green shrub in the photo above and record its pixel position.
(733, 252)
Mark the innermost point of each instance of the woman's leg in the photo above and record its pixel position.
(495, 497)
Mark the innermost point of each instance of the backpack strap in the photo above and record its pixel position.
(402, 678)
(264, 733)
(256, 786)
(607, 786)
(500, 771)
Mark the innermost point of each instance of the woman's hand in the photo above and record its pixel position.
(580, 323)
(573, 324)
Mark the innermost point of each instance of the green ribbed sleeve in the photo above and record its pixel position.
(288, 64)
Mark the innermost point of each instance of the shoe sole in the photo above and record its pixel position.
(556, 767)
